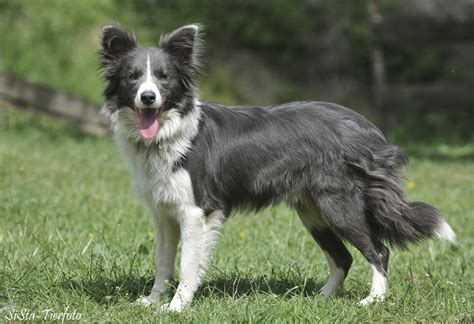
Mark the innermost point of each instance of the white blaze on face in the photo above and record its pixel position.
(148, 85)
(148, 112)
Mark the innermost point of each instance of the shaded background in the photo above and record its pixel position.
(406, 65)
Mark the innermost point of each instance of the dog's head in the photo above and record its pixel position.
(144, 85)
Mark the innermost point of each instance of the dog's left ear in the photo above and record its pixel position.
(184, 44)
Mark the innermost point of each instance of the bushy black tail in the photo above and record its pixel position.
(426, 221)
(396, 220)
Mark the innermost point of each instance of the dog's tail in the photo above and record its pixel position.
(396, 220)
(428, 222)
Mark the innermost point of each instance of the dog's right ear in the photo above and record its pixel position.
(115, 43)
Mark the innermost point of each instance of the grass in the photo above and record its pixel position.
(73, 235)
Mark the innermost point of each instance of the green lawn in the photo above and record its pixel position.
(73, 235)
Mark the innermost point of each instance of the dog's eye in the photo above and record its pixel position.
(133, 76)
(163, 76)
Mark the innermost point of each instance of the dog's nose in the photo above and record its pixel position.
(148, 97)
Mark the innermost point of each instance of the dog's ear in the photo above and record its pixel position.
(115, 43)
(184, 44)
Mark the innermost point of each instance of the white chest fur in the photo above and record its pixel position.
(155, 181)
(151, 165)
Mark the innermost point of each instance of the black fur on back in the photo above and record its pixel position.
(250, 157)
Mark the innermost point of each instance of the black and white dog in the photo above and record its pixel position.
(192, 163)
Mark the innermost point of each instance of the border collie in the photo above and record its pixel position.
(193, 163)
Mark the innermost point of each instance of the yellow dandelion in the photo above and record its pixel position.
(411, 185)
(242, 234)
(150, 234)
(91, 235)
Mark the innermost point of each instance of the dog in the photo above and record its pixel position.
(193, 163)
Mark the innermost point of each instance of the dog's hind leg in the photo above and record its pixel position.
(346, 216)
(337, 255)
(379, 264)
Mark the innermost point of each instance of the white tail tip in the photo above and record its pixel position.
(445, 232)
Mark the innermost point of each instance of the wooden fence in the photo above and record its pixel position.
(42, 99)
(420, 23)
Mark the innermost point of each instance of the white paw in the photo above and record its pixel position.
(371, 299)
(164, 307)
(172, 307)
(145, 301)
(176, 307)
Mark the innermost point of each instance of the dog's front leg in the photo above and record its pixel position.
(193, 239)
(166, 243)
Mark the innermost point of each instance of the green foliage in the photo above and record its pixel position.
(276, 30)
(297, 45)
(352, 20)
(219, 84)
(54, 42)
(450, 126)
(414, 65)
(73, 235)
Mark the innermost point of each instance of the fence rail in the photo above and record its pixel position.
(42, 99)
(419, 23)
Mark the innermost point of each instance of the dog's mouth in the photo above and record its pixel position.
(148, 124)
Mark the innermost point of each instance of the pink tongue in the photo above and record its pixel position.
(148, 122)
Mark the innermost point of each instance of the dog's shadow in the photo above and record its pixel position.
(105, 290)
(235, 286)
